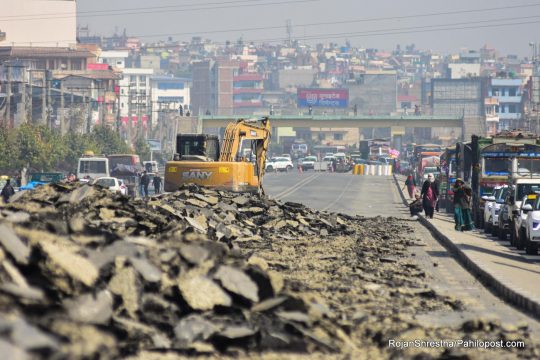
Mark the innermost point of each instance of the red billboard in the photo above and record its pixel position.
(97, 67)
(328, 98)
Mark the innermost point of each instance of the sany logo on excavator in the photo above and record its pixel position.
(197, 175)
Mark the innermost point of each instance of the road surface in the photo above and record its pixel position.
(379, 196)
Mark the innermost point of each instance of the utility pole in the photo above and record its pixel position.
(44, 99)
(130, 123)
(24, 118)
(30, 100)
(8, 93)
(62, 109)
(49, 100)
(139, 115)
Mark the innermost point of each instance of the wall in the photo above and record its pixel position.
(459, 97)
(374, 94)
(59, 32)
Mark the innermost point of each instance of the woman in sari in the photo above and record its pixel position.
(462, 206)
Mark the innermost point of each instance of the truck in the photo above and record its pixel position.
(447, 178)
(92, 167)
(126, 167)
(424, 156)
(495, 163)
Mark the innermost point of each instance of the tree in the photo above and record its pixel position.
(108, 141)
(142, 149)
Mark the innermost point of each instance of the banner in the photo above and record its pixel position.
(327, 98)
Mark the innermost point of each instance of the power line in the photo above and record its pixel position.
(150, 11)
(327, 23)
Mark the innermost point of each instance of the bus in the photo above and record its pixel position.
(92, 167)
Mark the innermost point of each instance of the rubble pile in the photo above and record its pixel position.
(87, 273)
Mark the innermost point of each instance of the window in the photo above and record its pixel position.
(322, 136)
(512, 109)
(142, 78)
(170, 85)
(512, 92)
(338, 136)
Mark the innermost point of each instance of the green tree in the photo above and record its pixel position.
(142, 149)
(108, 141)
(39, 148)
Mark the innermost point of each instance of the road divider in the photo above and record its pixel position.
(372, 170)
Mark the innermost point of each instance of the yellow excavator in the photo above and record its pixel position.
(236, 165)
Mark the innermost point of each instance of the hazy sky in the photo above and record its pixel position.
(179, 18)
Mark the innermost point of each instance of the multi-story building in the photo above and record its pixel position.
(134, 95)
(213, 90)
(115, 59)
(169, 94)
(247, 92)
(509, 93)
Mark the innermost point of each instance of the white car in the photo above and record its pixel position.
(532, 227)
(308, 162)
(279, 164)
(496, 209)
(490, 226)
(520, 219)
(288, 156)
(113, 184)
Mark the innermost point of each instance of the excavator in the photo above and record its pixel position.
(237, 164)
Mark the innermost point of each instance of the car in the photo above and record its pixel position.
(112, 183)
(288, 156)
(308, 162)
(279, 164)
(492, 219)
(490, 201)
(532, 227)
(520, 220)
(329, 158)
(513, 202)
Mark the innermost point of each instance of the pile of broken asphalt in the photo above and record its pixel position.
(90, 274)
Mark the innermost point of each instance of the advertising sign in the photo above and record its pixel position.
(328, 98)
(155, 145)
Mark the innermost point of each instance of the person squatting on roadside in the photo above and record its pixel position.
(416, 206)
(462, 206)
(7, 191)
(430, 194)
(411, 185)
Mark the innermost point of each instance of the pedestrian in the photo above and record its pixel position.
(462, 206)
(334, 164)
(145, 181)
(429, 194)
(157, 184)
(299, 165)
(7, 191)
(411, 185)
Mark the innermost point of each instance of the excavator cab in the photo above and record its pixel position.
(196, 147)
(200, 158)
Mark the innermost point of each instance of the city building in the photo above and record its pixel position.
(134, 95)
(459, 97)
(247, 92)
(115, 59)
(213, 87)
(509, 93)
(169, 94)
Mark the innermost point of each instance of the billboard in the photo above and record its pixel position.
(328, 98)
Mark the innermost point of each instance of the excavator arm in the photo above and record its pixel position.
(257, 131)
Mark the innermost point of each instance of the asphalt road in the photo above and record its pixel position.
(379, 196)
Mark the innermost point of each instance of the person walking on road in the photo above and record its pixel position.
(430, 194)
(7, 191)
(157, 184)
(411, 185)
(145, 181)
(462, 206)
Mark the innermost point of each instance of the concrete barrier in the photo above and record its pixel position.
(372, 170)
